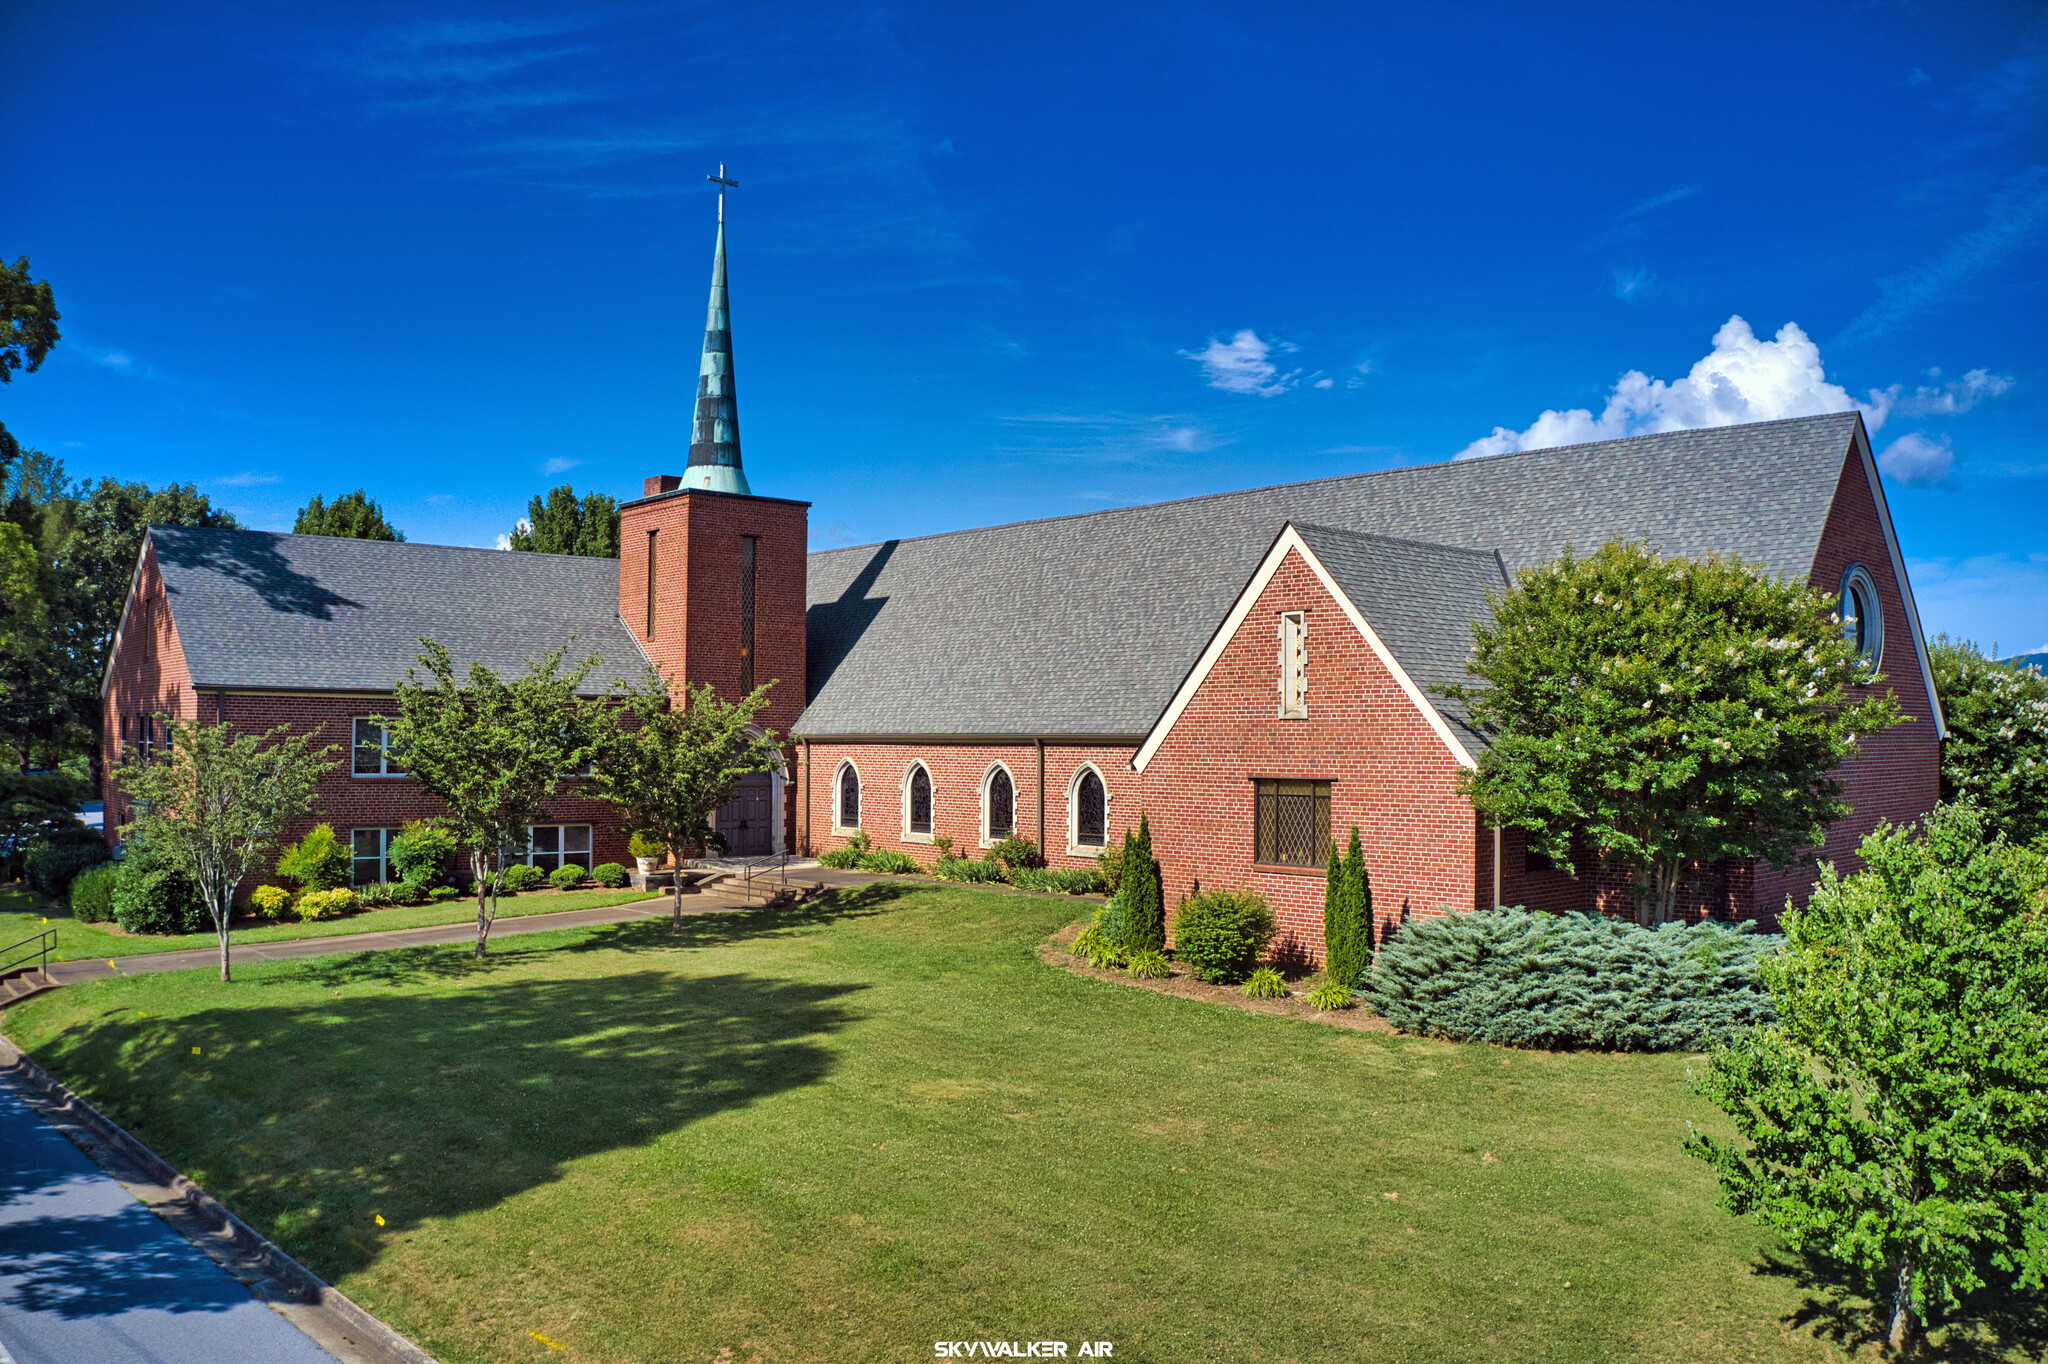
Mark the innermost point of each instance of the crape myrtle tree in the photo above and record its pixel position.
(493, 750)
(211, 802)
(669, 763)
(1896, 1118)
(1667, 712)
(1997, 749)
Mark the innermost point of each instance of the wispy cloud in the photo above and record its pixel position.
(1110, 437)
(1946, 400)
(559, 465)
(1243, 364)
(1657, 201)
(2014, 214)
(243, 480)
(1634, 285)
(1917, 461)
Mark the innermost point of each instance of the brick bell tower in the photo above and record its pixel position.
(711, 577)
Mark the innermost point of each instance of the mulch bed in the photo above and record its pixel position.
(1053, 952)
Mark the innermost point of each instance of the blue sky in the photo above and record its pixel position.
(991, 262)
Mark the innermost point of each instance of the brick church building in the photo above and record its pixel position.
(1256, 671)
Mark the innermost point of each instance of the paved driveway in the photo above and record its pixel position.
(90, 1276)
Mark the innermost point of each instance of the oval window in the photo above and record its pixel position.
(1862, 615)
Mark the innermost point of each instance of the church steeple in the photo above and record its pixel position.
(715, 434)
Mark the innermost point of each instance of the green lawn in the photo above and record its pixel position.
(848, 1130)
(76, 941)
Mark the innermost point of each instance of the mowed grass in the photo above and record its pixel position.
(848, 1130)
(20, 916)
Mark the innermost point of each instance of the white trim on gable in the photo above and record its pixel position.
(1290, 540)
(1891, 544)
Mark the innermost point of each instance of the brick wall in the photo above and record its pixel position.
(1392, 776)
(147, 674)
(959, 773)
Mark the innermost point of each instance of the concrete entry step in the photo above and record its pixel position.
(24, 984)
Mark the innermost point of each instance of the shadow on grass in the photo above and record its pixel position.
(1841, 1307)
(314, 1119)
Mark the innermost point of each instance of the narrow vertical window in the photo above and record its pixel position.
(919, 804)
(748, 545)
(849, 797)
(1293, 665)
(1091, 811)
(651, 536)
(1002, 805)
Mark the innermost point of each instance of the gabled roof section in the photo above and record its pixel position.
(1413, 603)
(318, 613)
(1084, 626)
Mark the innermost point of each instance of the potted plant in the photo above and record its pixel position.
(646, 850)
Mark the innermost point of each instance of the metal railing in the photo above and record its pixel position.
(46, 942)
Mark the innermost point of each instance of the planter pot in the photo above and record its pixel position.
(646, 864)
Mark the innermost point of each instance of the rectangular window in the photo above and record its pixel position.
(373, 753)
(146, 725)
(748, 545)
(1293, 665)
(1291, 823)
(651, 535)
(372, 849)
(549, 846)
(1536, 861)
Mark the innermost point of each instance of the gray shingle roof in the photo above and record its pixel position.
(1085, 625)
(256, 609)
(1420, 600)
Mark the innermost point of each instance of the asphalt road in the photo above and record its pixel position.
(90, 1276)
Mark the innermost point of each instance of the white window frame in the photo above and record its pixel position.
(1075, 847)
(385, 770)
(988, 836)
(386, 833)
(904, 802)
(1857, 578)
(860, 783)
(561, 851)
(1293, 659)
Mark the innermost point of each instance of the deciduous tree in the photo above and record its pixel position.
(350, 516)
(564, 525)
(1668, 712)
(1997, 748)
(28, 331)
(212, 802)
(669, 764)
(494, 751)
(1897, 1116)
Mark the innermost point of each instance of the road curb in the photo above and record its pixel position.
(290, 1289)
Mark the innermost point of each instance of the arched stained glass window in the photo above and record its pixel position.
(1002, 804)
(849, 797)
(1091, 811)
(920, 800)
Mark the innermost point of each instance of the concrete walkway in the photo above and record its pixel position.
(88, 1275)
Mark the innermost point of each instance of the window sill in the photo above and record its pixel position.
(1086, 849)
(918, 838)
(380, 776)
(846, 831)
(1281, 869)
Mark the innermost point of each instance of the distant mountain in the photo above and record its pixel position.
(2024, 661)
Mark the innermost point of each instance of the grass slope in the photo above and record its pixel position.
(843, 1132)
(77, 941)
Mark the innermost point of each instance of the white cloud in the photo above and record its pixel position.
(1242, 365)
(1630, 285)
(1742, 380)
(558, 465)
(243, 480)
(1656, 201)
(1917, 461)
(504, 540)
(1325, 383)
(1945, 400)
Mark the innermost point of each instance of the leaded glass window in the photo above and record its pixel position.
(1002, 804)
(1091, 811)
(849, 797)
(1291, 823)
(920, 800)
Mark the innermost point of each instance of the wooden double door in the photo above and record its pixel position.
(748, 819)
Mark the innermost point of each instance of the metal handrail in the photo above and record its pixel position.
(48, 941)
(747, 877)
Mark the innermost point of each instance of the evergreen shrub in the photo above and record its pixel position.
(152, 896)
(610, 874)
(411, 892)
(439, 893)
(1143, 895)
(1221, 934)
(92, 893)
(270, 901)
(1347, 917)
(523, 876)
(315, 905)
(1110, 919)
(319, 861)
(568, 876)
(50, 862)
(1016, 853)
(421, 851)
(1522, 979)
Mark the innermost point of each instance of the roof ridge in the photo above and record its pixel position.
(154, 527)
(1393, 539)
(1338, 478)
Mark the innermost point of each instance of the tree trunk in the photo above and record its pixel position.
(1904, 1329)
(483, 885)
(675, 884)
(220, 923)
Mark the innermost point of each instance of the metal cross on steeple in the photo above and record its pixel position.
(723, 185)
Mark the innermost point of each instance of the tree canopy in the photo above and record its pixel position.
(1897, 1117)
(1667, 712)
(28, 332)
(350, 516)
(1997, 748)
(564, 525)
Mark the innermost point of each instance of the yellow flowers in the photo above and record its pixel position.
(195, 1051)
(380, 1219)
